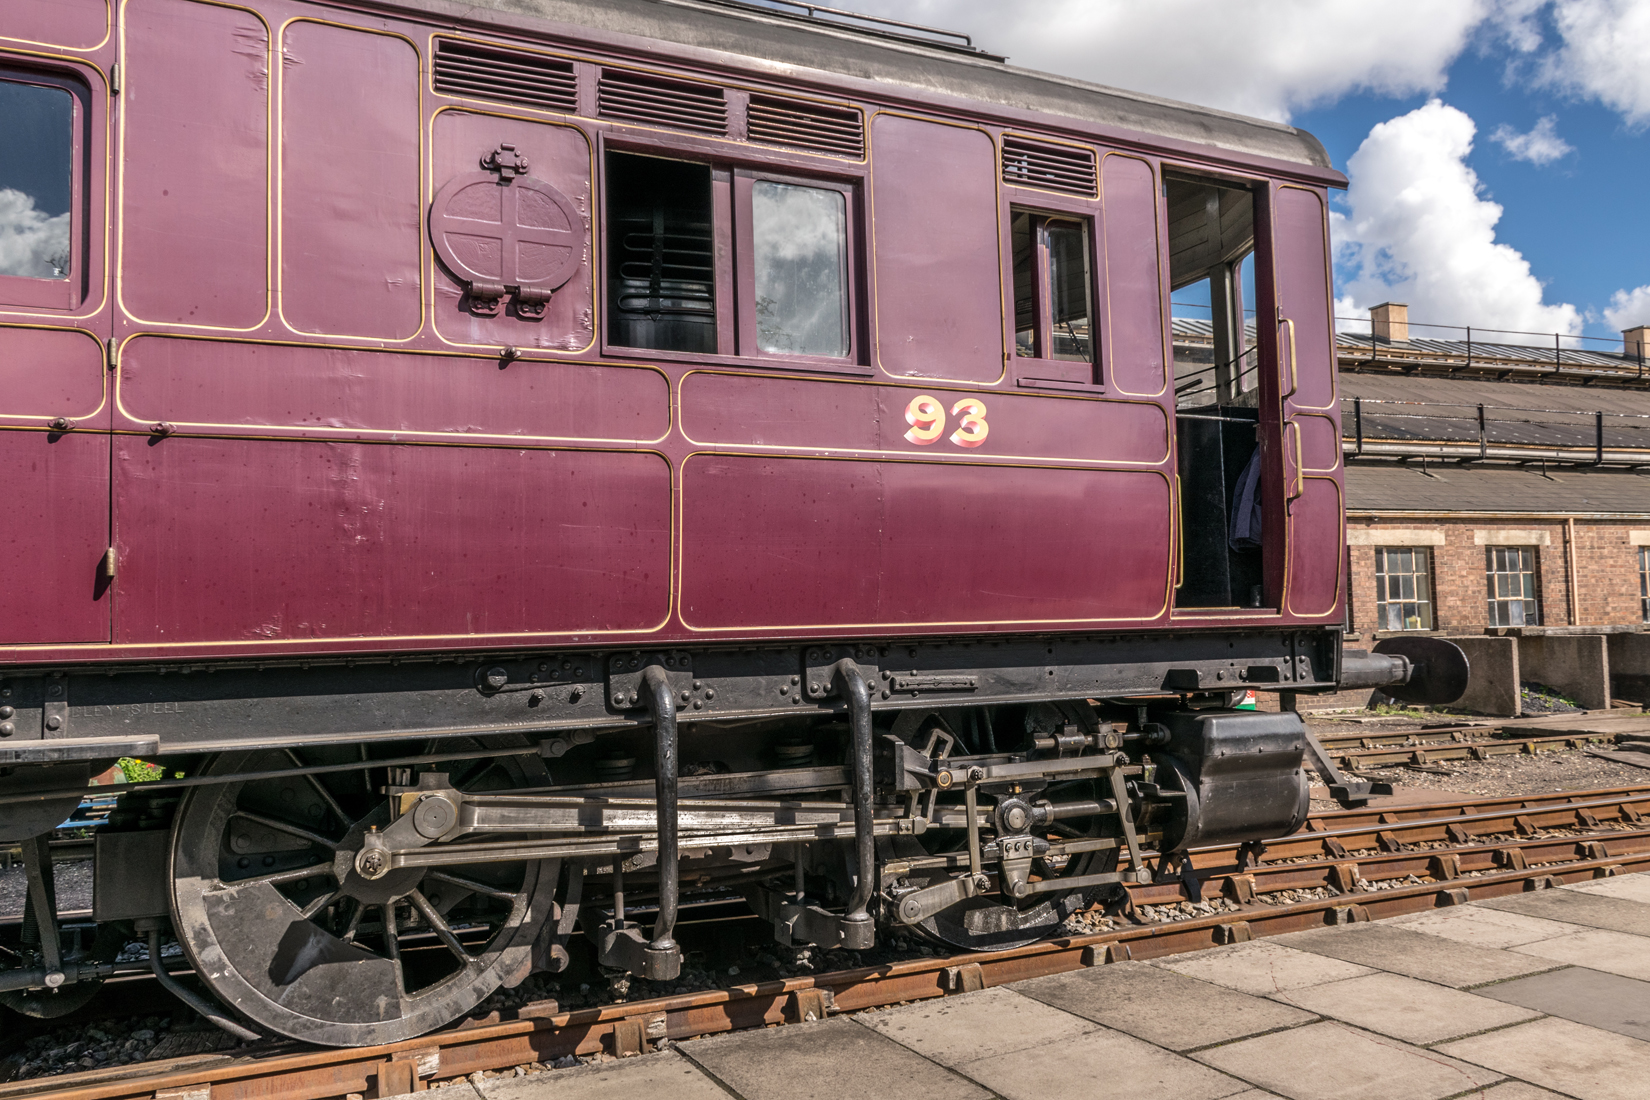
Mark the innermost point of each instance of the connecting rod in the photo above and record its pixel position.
(664, 957)
(850, 684)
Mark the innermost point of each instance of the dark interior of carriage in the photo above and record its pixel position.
(1217, 379)
(661, 261)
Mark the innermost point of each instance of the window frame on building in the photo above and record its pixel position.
(1411, 586)
(1500, 597)
(1644, 582)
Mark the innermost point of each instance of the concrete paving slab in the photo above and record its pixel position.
(1612, 952)
(1399, 951)
(1408, 1009)
(1567, 1057)
(665, 1074)
(1483, 927)
(1591, 997)
(1332, 1061)
(1099, 1065)
(1261, 967)
(1161, 1006)
(1626, 887)
(1576, 907)
(824, 1061)
(991, 1022)
(1516, 1090)
(1022, 1048)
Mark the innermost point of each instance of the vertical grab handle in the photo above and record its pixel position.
(1297, 484)
(1180, 561)
(1294, 372)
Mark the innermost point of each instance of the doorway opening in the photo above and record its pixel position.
(1217, 390)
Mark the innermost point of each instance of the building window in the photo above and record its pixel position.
(1053, 300)
(1510, 571)
(1403, 588)
(1644, 582)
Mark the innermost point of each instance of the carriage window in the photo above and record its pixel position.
(1212, 284)
(800, 236)
(1052, 296)
(661, 260)
(36, 179)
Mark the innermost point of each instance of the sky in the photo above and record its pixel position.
(1498, 151)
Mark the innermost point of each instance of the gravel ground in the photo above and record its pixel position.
(74, 887)
(1543, 773)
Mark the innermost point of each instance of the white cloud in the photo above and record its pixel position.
(1602, 54)
(1418, 229)
(1541, 145)
(1629, 308)
(30, 242)
(1259, 57)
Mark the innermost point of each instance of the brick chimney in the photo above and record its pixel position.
(1636, 342)
(1390, 321)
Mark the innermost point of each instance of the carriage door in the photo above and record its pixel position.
(1299, 322)
(54, 407)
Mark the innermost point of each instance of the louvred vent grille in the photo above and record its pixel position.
(634, 97)
(1049, 167)
(480, 72)
(799, 124)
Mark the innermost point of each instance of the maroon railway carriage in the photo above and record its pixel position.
(490, 454)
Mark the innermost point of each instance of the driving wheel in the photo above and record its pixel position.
(275, 919)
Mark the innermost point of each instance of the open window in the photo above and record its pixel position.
(1217, 379)
(41, 123)
(661, 253)
(1053, 296)
(673, 227)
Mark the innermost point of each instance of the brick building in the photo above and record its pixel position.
(1459, 549)
(1494, 486)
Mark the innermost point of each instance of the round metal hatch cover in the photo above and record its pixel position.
(519, 232)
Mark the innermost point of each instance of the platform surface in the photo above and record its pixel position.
(1529, 997)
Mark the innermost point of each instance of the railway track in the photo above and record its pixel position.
(1364, 864)
(1430, 746)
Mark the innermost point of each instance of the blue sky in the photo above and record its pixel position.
(1582, 221)
(1497, 148)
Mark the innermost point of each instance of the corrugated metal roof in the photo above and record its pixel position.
(1406, 407)
(1392, 487)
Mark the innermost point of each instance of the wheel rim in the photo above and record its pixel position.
(273, 917)
(996, 922)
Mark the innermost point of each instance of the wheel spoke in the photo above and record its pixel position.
(291, 830)
(354, 924)
(320, 903)
(321, 789)
(473, 886)
(440, 927)
(392, 934)
(274, 878)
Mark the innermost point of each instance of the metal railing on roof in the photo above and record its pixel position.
(1556, 353)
